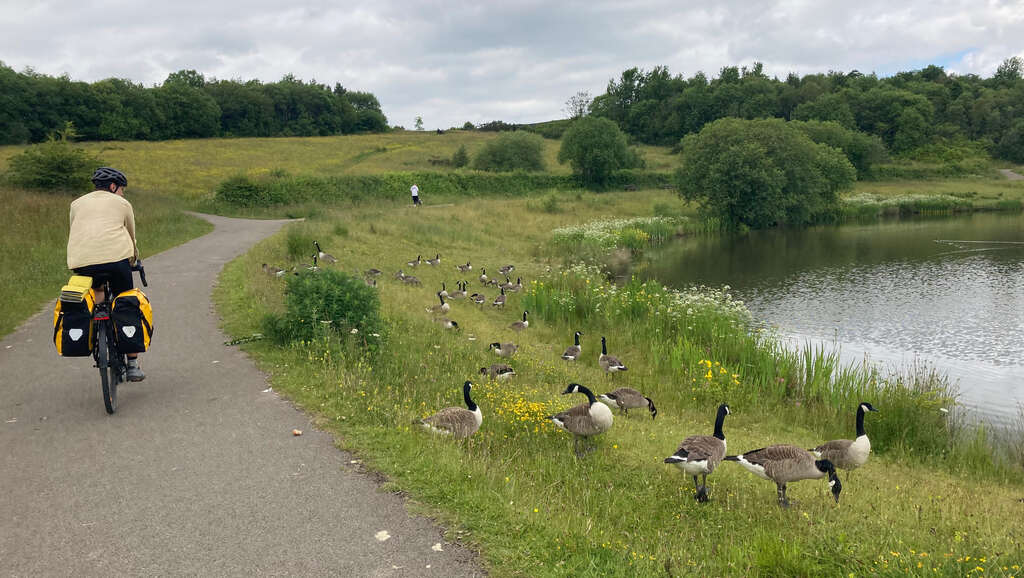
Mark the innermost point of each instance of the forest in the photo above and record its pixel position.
(186, 105)
(907, 110)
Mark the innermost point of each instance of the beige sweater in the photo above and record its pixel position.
(102, 230)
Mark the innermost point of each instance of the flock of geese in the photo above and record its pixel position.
(697, 455)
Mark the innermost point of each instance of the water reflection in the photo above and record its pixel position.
(947, 291)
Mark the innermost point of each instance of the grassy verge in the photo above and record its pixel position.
(35, 240)
(928, 503)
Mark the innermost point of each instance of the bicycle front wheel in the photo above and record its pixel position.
(108, 371)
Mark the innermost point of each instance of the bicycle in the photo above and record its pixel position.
(113, 364)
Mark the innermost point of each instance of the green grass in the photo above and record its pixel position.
(516, 491)
(35, 240)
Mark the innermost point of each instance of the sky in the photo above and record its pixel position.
(514, 60)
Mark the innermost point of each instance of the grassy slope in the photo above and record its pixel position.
(516, 488)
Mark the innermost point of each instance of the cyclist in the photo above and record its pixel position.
(102, 241)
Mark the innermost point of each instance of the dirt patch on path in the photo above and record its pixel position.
(1011, 175)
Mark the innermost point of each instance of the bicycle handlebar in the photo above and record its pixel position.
(142, 272)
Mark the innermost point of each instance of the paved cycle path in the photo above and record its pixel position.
(198, 472)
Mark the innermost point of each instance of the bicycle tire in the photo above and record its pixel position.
(108, 374)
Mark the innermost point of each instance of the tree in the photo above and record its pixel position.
(419, 123)
(862, 150)
(1010, 71)
(594, 147)
(1011, 146)
(460, 158)
(762, 173)
(578, 105)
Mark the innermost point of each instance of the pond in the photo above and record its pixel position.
(948, 292)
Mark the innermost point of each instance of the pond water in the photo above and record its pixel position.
(948, 292)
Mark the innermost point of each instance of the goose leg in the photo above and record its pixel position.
(699, 490)
(782, 496)
(702, 492)
(576, 446)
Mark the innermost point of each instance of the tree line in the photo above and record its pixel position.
(907, 110)
(34, 106)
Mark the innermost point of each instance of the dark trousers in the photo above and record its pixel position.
(119, 273)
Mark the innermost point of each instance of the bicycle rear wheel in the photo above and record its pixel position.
(105, 359)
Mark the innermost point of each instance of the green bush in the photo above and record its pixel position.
(511, 151)
(299, 243)
(242, 191)
(326, 303)
(54, 165)
(460, 158)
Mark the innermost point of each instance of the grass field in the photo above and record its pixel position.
(515, 490)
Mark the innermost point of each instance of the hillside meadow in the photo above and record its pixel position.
(932, 500)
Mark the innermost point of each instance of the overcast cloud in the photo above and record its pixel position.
(516, 60)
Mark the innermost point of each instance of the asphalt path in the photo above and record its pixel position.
(198, 472)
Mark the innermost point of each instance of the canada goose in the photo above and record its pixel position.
(507, 285)
(584, 420)
(627, 398)
(325, 257)
(507, 269)
(416, 262)
(609, 363)
(500, 371)
(273, 271)
(435, 261)
(572, 352)
(461, 293)
(483, 276)
(700, 454)
(444, 291)
(499, 301)
(785, 463)
(399, 275)
(410, 280)
(504, 349)
(520, 325)
(373, 272)
(455, 421)
(464, 268)
(447, 323)
(518, 285)
(478, 298)
(848, 454)
(442, 308)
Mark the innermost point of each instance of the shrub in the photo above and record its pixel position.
(327, 302)
(512, 151)
(299, 243)
(242, 191)
(55, 165)
(460, 158)
(595, 148)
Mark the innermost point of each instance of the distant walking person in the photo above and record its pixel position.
(415, 195)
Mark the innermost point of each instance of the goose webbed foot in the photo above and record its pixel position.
(702, 494)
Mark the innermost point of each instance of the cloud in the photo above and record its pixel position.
(516, 61)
